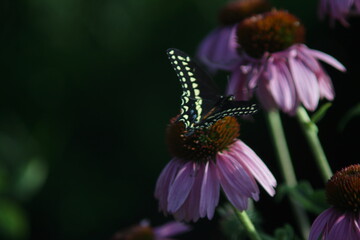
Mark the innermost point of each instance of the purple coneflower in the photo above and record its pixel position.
(277, 66)
(219, 49)
(144, 231)
(189, 186)
(342, 220)
(339, 10)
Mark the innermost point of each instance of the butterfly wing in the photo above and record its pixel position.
(198, 93)
(228, 107)
(201, 106)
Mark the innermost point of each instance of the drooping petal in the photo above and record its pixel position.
(326, 58)
(238, 86)
(318, 227)
(164, 181)
(263, 94)
(189, 211)
(354, 229)
(326, 86)
(340, 229)
(235, 198)
(256, 166)
(210, 191)
(170, 229)
(305, 82)
(282, 87)
(235, 181)
(235, 174)
(345, 226)
(181, 187)
(218, 49)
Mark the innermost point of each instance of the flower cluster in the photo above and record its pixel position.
(267, 56)
(264, 50)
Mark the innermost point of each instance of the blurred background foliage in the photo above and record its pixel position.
(86, 92)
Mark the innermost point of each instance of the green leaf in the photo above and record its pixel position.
(311, 200)
(31, 178)
(353, 112)
(13, 222)
(320, 113)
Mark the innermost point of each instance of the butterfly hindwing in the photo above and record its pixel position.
(228, 107)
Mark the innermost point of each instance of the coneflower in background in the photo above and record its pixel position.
(342, 220)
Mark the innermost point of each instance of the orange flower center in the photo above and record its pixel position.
(343, 189)
(203, 144)
(270, 32)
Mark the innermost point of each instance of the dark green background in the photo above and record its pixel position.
(85, 86)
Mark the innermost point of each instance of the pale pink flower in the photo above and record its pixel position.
(339, 10)
(285, 79)
(190, 189)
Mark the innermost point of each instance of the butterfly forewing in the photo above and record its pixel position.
(201, 106)
(189, 74)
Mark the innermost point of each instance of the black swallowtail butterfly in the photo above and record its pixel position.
(201, 106)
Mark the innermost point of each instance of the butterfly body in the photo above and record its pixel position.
(201, 106)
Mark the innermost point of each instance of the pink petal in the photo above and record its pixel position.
(235, 181)
(181, 187)
(345, 227)
(282, 87)
(189, 210)
(210, 191)
(235, 174)
(326, 86)
(165, 179)
(320, 222)
(219, 49)
(238, 200)
(326, 58)
(238, 86)
(264, 96)
(257, 168)
(171, 229)
(305, 82)
(340, 229)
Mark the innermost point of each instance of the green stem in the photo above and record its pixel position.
(310, 131)
(248, 225)
(286, 167)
